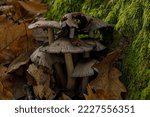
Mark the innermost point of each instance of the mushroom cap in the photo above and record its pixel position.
(42, 24)
(97, 45)
(40, 34)
(84, 68)
(95, 24)
(45, 59)
(22, 59)
(65, 46)
(69, 19)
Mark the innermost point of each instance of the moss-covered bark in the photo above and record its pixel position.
(132, 20)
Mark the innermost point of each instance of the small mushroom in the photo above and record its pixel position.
(40, 34)
(45, 59)
(84, 69)
(94, 24)
(65, 46)
(46, 24)
(69, 20)
(97, 45)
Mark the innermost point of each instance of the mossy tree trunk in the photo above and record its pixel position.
(132, 20)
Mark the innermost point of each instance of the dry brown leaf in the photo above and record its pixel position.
(5, 94)
(38, 74)
(6, 56)
(108, 77)
(38, 1)
(64, 97)
(33, 7)
(14, 38)
(42, 88)
(22, 59)
(18, 12)
(2, 72)
(39, 91)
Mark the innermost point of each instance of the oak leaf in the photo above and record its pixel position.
(108, 77)
(4, 92)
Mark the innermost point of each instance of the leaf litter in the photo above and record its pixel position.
(22, 78)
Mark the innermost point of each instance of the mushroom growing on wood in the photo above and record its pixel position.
(65, 46)
(84, 69)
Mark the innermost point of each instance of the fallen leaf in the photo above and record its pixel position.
(42, 88)
(108, 77)
(14, 39)
(64, 97)
(33, 7)
(5, 94)
(38, 74)
(22, 59)
(90, 95)
(6, 56)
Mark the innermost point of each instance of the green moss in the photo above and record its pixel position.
(132, 19)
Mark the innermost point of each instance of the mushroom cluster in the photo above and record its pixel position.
(65, 53)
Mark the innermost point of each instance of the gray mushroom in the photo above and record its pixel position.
(46, 24)
(47, 60)
(44, 59)
(65, 46)
(97, 45)
(69, 20)
(84, 69)
(40, 34)
(83, 23)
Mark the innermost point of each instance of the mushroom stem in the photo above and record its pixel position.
(51, 35)
(72, 32)
(70, 68)
(91, 33)
(85, 82)
(60, 77)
